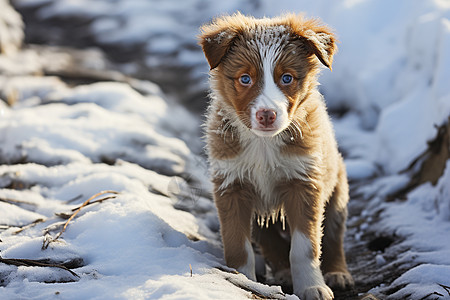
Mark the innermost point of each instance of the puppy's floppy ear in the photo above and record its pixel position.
(216, 39)
(323, 44)
(319, 38)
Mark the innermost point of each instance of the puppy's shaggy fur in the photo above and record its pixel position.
(272, 149)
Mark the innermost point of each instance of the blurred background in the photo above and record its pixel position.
(391, 71)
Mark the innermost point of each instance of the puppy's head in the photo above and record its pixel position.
(265, 68)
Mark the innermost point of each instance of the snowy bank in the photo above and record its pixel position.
(62, 145)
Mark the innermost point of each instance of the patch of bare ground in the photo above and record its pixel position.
(365, 248)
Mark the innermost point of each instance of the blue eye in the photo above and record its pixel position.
(286, 78)
(245, 79)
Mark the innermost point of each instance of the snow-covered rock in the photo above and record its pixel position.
(11, 28)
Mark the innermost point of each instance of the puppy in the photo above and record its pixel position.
(272, 150)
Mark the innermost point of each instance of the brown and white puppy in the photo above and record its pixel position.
(272, 148)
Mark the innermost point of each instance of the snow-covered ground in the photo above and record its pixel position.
(60, 146)
(76, 126)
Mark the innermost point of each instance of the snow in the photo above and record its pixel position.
(421, 280)
(11, 29)
(380, 260)
(63, 142)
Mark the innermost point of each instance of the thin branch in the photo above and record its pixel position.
(47, 242)
(21, 227)
(257, 293)
(96, 201)
(227, 270)
(74, 198)
(79, 209)
(34, 263)
(445, 287)
(66, 216)
(32, 224)
(16, 202)
(431, 294)
(63, 215)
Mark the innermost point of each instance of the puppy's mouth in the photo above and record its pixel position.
(266, 131)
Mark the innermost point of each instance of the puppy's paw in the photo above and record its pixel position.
(339, 280)
(318, 292)
(283, 277)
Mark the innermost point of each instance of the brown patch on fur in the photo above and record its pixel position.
(320, 38)
(303, 69)
(215, 44)
(223, 139)
(218, 37)
(310, 122)
(240, 60)
(235, 206)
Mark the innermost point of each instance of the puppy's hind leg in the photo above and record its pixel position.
(334, 265)
(275, 249)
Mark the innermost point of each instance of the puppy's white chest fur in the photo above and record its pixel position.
(262, 164)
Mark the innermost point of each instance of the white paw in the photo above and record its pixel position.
(319, 292)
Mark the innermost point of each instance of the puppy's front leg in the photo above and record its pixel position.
(304, 211)
(235, 208)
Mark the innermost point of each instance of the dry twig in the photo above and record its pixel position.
(256, 292)
(445, 287)
(21, 227)
(66, 216)
(96, 201)
(77, 210)
(16, 202)
(34, 263)
(74, 199)
(32, 224)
